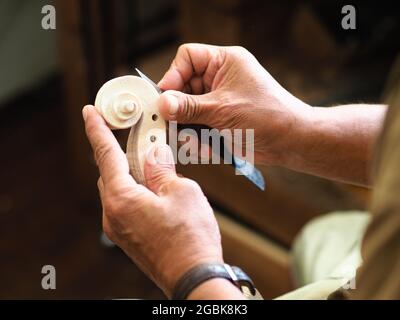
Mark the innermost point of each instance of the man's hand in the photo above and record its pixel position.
(227, 88)
(167, 227)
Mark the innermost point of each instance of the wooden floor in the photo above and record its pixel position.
(42, 222)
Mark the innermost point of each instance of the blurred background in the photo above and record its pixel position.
(49, 207)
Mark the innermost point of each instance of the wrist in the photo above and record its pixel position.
(303, 138)
(290, 131)
(176, 268)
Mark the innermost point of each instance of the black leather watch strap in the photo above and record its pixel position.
(201, 273)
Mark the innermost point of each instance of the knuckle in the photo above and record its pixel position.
(101, 153)
(220, 57)
(108, 231)
(190, 185)
(240, 53)
(239, 49)
(164, 185)
(113, 206)
(183, 48)
(191, 108)
(160, 174)
(172, 185)
(100, 183)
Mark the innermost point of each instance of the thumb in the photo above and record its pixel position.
(186, 108)
(159, 167)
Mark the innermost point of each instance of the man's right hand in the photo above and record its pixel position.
(227, 88)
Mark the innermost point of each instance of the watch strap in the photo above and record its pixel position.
(201, 273)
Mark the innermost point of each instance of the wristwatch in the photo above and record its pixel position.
(201, 273)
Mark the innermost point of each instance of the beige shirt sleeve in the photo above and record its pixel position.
(379, 275)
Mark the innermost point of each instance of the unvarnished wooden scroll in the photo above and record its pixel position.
(131, 102)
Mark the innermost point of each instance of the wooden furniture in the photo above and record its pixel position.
(90, 49)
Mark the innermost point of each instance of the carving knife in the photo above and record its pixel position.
(244, 167)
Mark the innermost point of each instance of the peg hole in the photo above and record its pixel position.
(154, 117)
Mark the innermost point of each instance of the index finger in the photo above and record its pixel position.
(111, 160)
(193, 59)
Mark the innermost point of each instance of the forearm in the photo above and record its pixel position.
(337, 143)
(216, 289)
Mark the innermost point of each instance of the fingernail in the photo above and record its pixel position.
(84, 113)
(161, 83)
(163, 155)
(173, 105)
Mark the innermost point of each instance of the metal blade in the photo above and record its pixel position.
(245, 168)
(250, 172)
(143, 76)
